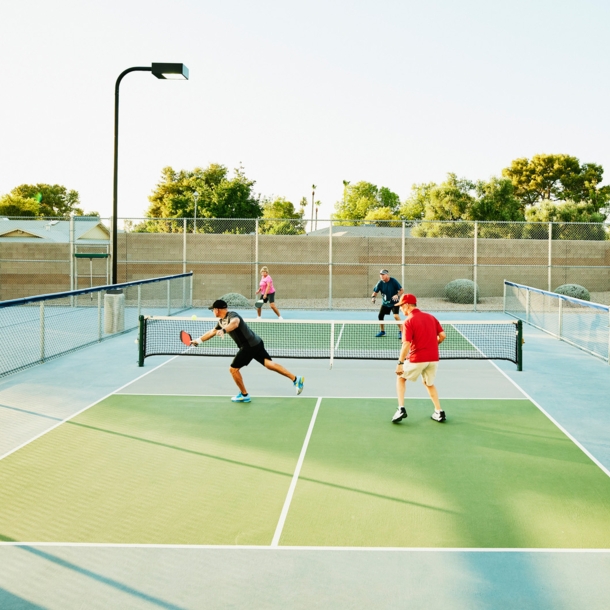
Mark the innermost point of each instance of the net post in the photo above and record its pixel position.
(256, 229)
(519, 345)
(504, 299)
(560, 324)
(191, 290)
(141, 341)
(169, 299)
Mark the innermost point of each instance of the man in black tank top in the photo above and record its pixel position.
(251, 347)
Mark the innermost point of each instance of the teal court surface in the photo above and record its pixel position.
(147, 488)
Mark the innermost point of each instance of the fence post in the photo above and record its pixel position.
(330, 265)
(169, 297)
(41, 331)
(504, 298)
(99, 315)
(402, 256)
(550, 262)
(527, 306)
(184, 266)
(475, 263)
(72, 259)
(256, 227)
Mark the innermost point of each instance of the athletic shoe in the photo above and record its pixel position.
(400, 414)
(438, 416)
(241, 398)
(399, 335)
(280, 318)
(381, 333)
(298, 384)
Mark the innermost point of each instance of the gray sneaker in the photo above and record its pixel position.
(401, 413)
(438, 416)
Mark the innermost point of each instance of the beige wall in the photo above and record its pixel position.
(299, 264)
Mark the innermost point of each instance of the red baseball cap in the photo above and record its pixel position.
(408, 299)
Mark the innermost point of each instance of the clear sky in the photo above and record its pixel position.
(394, 92)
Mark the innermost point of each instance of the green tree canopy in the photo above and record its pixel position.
(54, 199)
(557, 178)
(217, 196)
(16, 205)
(281, 218)
(363, 197)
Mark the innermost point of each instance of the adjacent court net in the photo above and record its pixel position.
(495, 340)
(580, 323)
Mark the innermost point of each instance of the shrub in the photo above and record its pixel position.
(461, 291)
(234, 299)
(574, 290)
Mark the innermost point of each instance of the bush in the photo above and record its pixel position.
(234, 299)
(574, 290)
(461, 291)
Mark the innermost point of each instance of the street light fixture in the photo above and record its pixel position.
(162, 71)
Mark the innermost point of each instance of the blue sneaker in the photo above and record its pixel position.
(381, 333)
(399, 335)
(241, 398)
(298, 384)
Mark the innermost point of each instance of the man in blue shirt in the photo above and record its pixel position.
(391, 292)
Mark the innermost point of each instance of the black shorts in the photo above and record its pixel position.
(245, 355)
(384, 310)
(270, 298)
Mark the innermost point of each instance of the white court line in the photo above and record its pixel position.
(556, 423)
(362, 549)
(295, 477)
(340, 335)
(342, 397)
(63, 421)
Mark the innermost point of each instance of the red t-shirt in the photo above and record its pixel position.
(422, 330)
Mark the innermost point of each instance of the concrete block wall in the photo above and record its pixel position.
(300, 265)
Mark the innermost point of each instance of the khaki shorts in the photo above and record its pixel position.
(427, 370)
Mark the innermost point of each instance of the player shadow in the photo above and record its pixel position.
(30, 412)
(261, 468)
(100, 578)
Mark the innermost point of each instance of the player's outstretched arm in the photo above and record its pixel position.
(211, 333)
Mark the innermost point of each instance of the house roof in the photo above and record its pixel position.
(363, 231)
(86, 230)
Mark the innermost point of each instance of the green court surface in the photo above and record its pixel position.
(201, 470)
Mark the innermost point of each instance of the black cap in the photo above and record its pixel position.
(218, 304)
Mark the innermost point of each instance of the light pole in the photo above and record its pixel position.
(162, 71)
(196, 198)
(313, 194)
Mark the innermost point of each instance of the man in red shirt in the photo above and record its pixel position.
(422, 333)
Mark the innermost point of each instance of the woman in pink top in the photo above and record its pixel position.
(267, 292)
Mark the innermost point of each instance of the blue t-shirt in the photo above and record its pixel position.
(388, 290)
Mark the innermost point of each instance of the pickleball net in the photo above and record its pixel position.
(331, 339)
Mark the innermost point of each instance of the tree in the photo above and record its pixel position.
(383, 217)
(557, 178)
(281, 218)
(218, 197)
(496, 200)
(572, 220)
(54, 199)
(360, 198)
(16, 205)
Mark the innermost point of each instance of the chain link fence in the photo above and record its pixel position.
(332, 266)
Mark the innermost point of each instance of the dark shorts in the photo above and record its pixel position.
(270, 298)
(384, 310)
(246, 354)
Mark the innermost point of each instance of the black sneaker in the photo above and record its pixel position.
(438, 416)
(401, 413)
